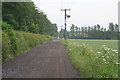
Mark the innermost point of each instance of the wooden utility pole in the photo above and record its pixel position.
(61, 32)
(61, 27)
(66, 16)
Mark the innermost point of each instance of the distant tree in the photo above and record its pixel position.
(111, 27)
(82, 29)
(116, 27)
(79, 30)
(96, 32)
(72, 28)
(62, 33)
(86, 30)
(98, 26)
(95, 27)
(76, 31)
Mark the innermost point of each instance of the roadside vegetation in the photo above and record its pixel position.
(94, 58)
(24, 27)
(17, 42)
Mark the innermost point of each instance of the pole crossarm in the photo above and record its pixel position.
(65, 9)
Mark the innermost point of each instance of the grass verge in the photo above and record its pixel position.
(94, 58)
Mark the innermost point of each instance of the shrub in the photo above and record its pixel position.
(17, 42)
(7, 28)
(5, 46)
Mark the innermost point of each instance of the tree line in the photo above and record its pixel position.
(25, 16)
(92, 32)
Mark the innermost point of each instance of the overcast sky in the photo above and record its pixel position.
(83, 12)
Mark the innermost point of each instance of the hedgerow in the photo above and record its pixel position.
(17, 42)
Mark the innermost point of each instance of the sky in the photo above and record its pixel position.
(83, 12)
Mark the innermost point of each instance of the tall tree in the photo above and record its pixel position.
(25, 16)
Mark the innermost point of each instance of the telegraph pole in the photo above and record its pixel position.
(66, 16)
(61, 32)
(61, 27)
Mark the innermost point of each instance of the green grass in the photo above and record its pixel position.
(96, 45)
(94, 58)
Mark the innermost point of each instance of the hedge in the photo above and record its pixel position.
(17, 42)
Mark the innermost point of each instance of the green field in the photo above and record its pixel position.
(96, 45)
(94, 58)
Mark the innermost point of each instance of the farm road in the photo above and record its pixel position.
(46, 61)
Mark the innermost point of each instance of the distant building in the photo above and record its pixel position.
(84, 34)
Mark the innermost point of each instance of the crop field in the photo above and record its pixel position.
(94, 58)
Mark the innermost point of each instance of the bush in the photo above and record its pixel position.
(7, 28)
(17, 42)
(5, 46)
